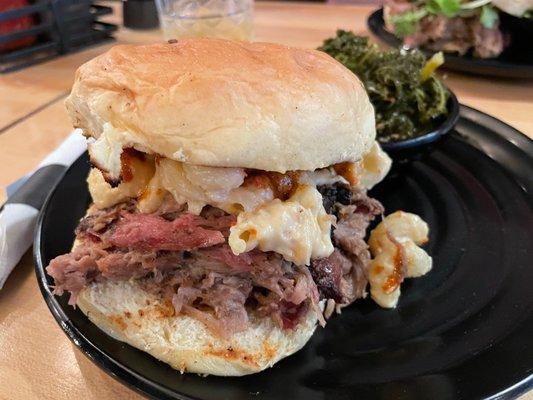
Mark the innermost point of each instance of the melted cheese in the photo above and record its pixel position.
(324, 176)
(394, 243)
(370, 170)
(106, 150)
(106, 196)
(374, 166)
(246, 199)
(152, 196)
(298, 229)
(198, 186)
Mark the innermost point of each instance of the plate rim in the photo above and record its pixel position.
(454, 62)
(152, 389)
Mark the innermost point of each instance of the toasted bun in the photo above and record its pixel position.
(130, 314)
(222, 103)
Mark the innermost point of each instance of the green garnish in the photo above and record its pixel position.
(408, 98)
(449, 8)
(407, 23)
(488, 17)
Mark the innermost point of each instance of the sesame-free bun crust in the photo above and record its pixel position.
(223, 103)
(129, 314)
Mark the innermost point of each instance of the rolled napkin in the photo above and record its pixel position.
(25, 199)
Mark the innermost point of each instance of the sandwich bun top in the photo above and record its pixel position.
(223, 103)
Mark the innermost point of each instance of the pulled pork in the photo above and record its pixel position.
(342, 275)
(185, 258)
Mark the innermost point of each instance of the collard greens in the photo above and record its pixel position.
(408, 100)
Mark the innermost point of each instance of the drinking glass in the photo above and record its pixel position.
(227, 19)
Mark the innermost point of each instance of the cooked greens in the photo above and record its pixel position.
(408, 98)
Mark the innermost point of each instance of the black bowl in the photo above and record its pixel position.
(416, 144)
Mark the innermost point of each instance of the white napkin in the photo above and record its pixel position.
(19, 214)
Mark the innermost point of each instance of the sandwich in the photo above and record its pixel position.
(229, 202)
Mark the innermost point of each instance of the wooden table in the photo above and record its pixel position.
(37, 361)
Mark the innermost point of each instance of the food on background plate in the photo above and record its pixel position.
(447, 25)
(230, 208)
(408, 98)
(454, 26)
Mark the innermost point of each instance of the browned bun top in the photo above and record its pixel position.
(225, 103)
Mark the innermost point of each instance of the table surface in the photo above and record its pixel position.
(37, 361)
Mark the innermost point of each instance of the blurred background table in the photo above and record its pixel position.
(37, 361)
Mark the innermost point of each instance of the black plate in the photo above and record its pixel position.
(461, 332)
(402, 148)
(516, 61)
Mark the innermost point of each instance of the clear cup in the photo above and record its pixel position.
(227, 19)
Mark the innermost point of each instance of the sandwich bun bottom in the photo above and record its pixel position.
(128, 313)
